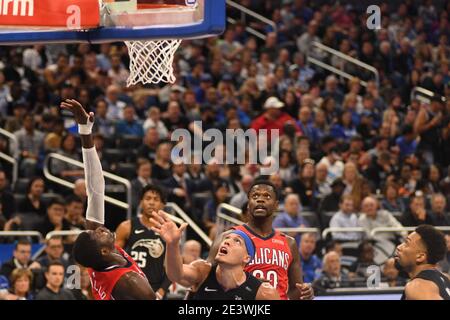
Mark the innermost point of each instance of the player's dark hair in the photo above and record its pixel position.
(262, 181)
(434, 241)
(86, 252)
(156, 189)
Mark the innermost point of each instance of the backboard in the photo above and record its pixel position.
(97, 21)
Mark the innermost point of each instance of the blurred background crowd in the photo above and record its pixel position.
(353, 152)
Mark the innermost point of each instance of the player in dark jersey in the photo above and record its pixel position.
(418, 257)
(225, 279)
(277, 258)
(145, 246)
(113, 274)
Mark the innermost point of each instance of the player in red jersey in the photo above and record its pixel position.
(277, 259)
(114, 275)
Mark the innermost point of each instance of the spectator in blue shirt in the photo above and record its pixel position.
(201, 90)
(306, 124)
(344, 130)
(291, 217)
(311, 263)
(129, 125)
(407, 142)
(345, 218)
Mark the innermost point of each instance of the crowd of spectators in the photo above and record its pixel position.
(352, 152)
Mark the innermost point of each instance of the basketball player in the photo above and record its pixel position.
(225, 279)
(144, 246)
(113, 274)
(277, 259)
(418, 257)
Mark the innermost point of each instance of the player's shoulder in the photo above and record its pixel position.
(123, 231)
(418, 283)
(127, 224)
(415, 288)
(290, 240)
(132, 286)
(238, 227)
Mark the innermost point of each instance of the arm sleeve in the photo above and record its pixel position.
(95, 186)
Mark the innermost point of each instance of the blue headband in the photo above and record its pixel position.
(248, 242)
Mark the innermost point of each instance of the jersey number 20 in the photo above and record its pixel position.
(270, 276)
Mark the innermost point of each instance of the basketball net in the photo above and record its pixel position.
(151, 61)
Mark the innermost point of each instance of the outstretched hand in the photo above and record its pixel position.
(80, 115)
(168, 230)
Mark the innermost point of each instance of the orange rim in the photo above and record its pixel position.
(142, 6)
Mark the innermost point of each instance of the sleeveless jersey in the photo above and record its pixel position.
(212, 290)
(148, 250)
(439, 279)
(103, 282)
(272, 259)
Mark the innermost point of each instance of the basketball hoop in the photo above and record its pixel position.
(151, 61)
(151, 29)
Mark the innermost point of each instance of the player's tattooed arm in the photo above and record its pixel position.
(132, 286)
(297, 289)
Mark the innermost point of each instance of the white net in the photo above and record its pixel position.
(152, 61)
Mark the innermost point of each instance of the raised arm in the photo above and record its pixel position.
(184, 274)
(95, 183)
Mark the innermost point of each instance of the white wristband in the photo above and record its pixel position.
(85, 129)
